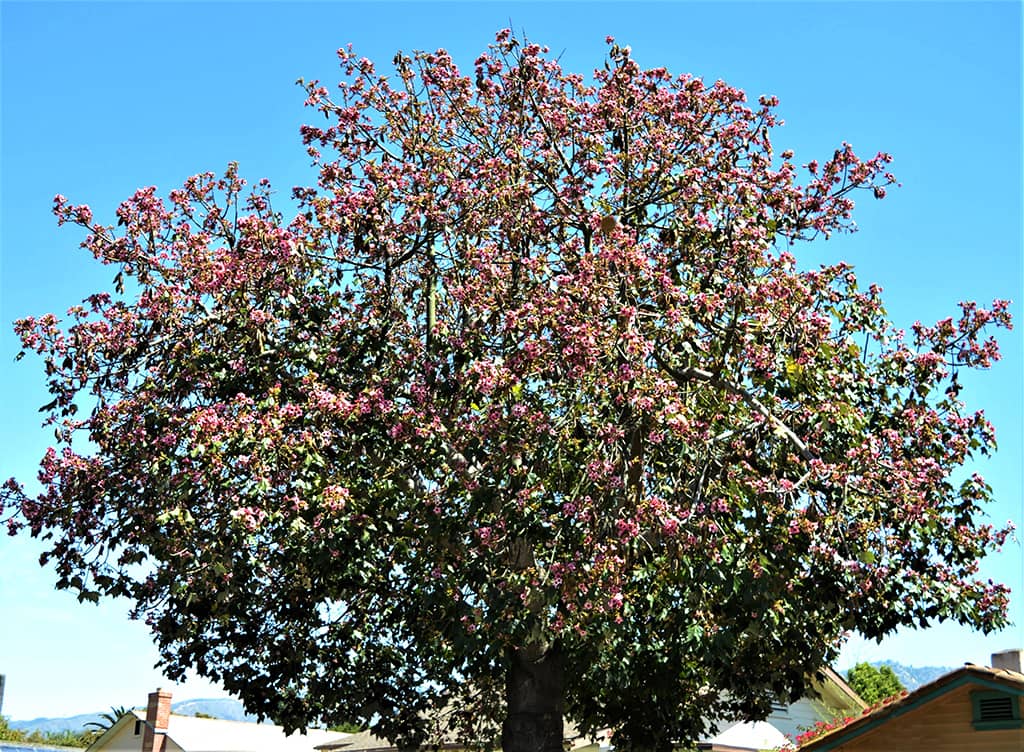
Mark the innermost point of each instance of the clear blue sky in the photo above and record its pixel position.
(99, 99)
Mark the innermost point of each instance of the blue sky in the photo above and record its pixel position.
(99, 99)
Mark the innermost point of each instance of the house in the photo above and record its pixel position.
(831, 697)
(158, 730)
(972, 708)
(364, 741)
(746, 736)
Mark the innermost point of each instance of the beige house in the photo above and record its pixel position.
(972, 708)
(159, 730)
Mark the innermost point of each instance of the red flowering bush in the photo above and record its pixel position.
(823, 727)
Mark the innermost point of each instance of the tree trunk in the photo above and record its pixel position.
(534, 689)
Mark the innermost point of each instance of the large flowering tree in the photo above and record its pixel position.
(528, 412)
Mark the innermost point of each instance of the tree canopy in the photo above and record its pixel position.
(531, 376)
(874, 684)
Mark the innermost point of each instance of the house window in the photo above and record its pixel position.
(138, 727)
(995, 710)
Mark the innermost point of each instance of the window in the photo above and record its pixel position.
(138, 727)
(995, 710)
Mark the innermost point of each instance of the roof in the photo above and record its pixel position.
(747, 735)
(836, 680)
(364, 741)
(999, 679)
(826, 688)
(214, 735)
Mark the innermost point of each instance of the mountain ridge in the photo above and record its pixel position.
(225, 708)
(912, 677)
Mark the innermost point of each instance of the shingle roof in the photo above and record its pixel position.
(214, 735)
(997, 678)
(364, 741)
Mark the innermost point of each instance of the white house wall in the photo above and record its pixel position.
(803, 714)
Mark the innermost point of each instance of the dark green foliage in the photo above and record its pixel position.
(347, 728)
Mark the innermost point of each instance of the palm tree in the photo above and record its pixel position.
(108, 719)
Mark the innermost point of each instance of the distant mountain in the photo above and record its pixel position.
(913, 677)
(227, 709)
(910, 677)
(73, 723)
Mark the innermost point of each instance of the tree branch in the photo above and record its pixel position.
(690, 373)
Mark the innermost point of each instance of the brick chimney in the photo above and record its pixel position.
(1009, 660)
(158, 713)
